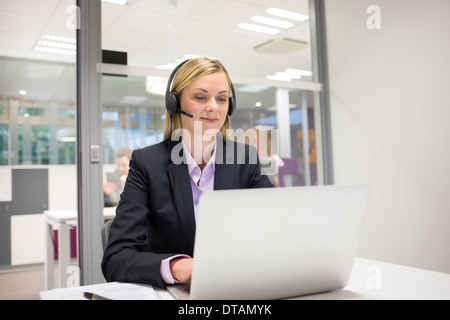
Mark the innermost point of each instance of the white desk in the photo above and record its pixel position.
(369, 279)
(376, 280)
(63, 220)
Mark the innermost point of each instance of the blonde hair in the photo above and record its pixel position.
(187, 74)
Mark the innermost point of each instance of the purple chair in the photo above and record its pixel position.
(290, 167)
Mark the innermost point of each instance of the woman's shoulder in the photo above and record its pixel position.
(151, 154)
(154, 148)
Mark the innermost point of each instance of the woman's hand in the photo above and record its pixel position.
(181, 268)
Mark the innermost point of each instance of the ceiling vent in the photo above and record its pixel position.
(281, 46)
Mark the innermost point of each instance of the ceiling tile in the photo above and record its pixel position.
(140, 20)
(44, 8)
(199, 30)
(228, 12)
(21, 22)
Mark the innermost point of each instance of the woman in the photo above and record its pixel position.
(152, 237)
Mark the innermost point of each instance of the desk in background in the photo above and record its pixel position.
(369, 279)
(63, 220)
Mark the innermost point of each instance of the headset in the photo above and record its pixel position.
(173, 100)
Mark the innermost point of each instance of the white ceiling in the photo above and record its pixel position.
(153, 32)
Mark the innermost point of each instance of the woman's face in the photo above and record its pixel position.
(207, 100)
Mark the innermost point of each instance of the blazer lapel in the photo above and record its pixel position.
(182, 195)
(224, 170)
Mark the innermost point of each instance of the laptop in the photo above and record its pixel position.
(275, 243)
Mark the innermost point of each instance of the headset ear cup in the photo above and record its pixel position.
(172, 104)
(172, 100)
(232, 101)
(231, 105)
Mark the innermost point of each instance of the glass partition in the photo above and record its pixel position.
(271, 73)
(37, 125)
(134, 118)
(38, 128)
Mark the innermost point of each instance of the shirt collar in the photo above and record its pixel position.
(192, 165)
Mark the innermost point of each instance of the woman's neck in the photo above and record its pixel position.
(201, 150)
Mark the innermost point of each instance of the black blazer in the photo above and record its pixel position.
(155, 216)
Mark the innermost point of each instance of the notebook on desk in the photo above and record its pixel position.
(275, 243)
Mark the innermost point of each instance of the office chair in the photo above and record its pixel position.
(105, 232)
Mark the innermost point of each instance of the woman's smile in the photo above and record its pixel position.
(209, 120)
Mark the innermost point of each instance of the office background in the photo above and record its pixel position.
(38, 109)
(388, 104)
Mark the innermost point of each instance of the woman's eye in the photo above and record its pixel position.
(200, 98)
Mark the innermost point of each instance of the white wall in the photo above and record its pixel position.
(62, 191)
(390, 109)
(28, 231)
(62, 187)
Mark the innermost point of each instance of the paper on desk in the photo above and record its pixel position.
(111, 290)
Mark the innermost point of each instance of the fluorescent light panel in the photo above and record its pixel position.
(56, 44)
(173, 65)
(287, 14)
(278, 78)
(304, 73)
(156, 85)
(289, 75)
(257, 28)
(58, 38)
(272, 22)
(55, 50)
(118, 2)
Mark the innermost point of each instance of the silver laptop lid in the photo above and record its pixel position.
(276, 243)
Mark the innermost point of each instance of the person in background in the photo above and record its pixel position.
(152, 236)
(115, 181)
(267, 151)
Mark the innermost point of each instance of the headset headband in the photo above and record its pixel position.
(173, 100)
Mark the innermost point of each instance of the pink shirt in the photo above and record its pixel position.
(201, 181)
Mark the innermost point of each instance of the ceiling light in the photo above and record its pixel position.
(56, 44)
(173, 65)
(287, 14)
(58, 38)
(156, 85)
(278, 78)
(54, 50)
(168, 66)
(256, 28)
(273, 22)
(118, 2)
(304, 73)
(288, 75)
(22, 92)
